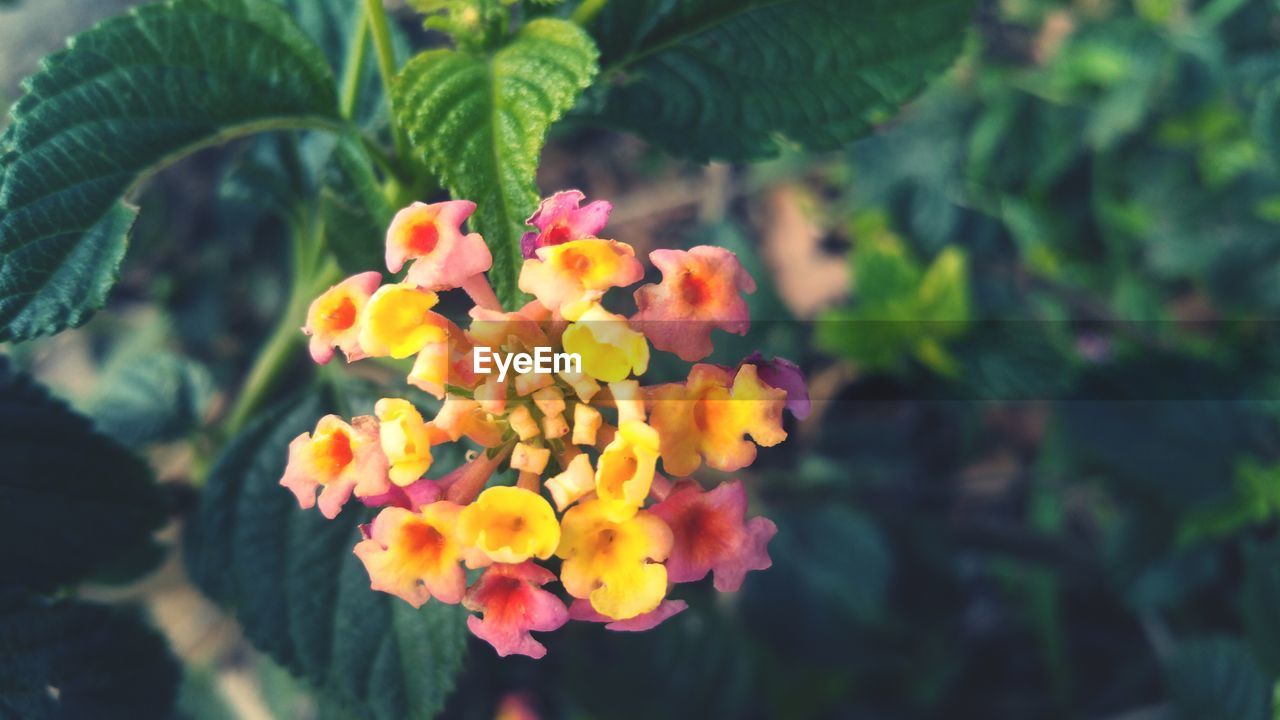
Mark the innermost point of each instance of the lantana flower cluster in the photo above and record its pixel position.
(598, 496)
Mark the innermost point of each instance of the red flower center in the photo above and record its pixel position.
(557, 234)
(421, 538)
(343, 314)
(423, 238)
(694, 290)
(334, 453)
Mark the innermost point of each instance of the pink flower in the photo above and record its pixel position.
(701, 288)
(581, 610)
(559, 219)
(338, 459)
(710, 534)
(431, 235)
(412, 496)
(513, 603)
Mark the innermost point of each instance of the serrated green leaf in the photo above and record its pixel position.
(69, 659)
(1215, 679)
(479, 123)
(302, 596)
(85, 498)
(131, 95)
(737, 79)
(355, 210)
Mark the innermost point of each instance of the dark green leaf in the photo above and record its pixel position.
(302, 596)
(71, 500)
(67, 659)
(479, 123)
(1215, 679)
(831, 572)
(693, 666)
(132, 94)
(153, 398)
(1261, 599)
(737, 79)
(1164, 429)
(356, 212)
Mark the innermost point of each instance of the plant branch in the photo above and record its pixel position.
(353, 71)
(314, 270)
(376, 16)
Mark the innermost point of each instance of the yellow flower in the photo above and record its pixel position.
(508, 525)
(609, 348)
(398, 322)
(405, 438)
(625, 470)
(607, 562)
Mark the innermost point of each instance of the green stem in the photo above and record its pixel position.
(286, 339)
(377, 18)
(353, 71)
(587, 11)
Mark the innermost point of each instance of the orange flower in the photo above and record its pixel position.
(338, 459)
(333, 318)
(579, 270)
(415, 556)
(709, 417)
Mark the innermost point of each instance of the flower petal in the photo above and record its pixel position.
(512, 602)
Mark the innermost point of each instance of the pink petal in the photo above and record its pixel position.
(513, 604)
(754, 556)
(556, 207)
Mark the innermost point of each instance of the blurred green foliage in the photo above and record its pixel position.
(1050, 489)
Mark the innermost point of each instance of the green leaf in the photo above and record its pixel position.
(900, 307)
(1260, 597)
(70, 659)
(355, 210)
(736, 79)
(480, 122)
(1164, 430)
(71, 500)
(153, 398)
(302, 596)
(1215, 679)
(131, 95)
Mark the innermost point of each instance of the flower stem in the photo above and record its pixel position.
(353, 71)
(313, 275)
(376, 15)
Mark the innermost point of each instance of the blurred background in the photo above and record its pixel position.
(1042, 474)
